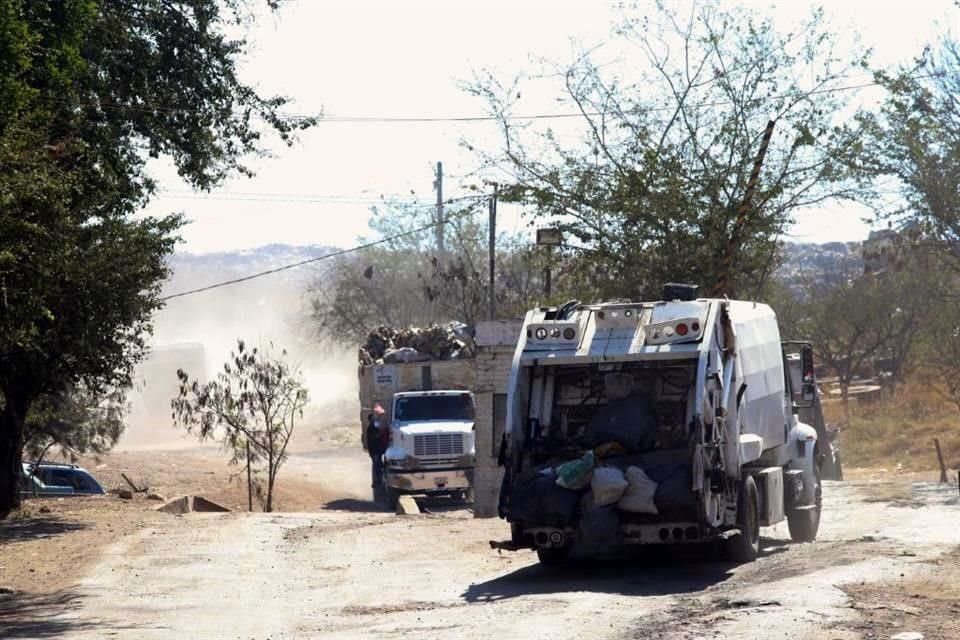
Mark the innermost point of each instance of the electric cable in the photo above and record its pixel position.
(333, 254)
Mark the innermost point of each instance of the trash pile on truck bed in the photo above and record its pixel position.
(616, 475)
(451, 341)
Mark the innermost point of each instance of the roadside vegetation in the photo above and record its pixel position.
(648, 184)
(895, 431)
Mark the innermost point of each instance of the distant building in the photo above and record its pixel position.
(883, 252)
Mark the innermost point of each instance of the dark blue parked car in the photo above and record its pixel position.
(51, 479)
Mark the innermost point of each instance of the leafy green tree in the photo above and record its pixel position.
(89, 91)
(359, 292)
(650, 191)
(406, 282)
(941, 352)
(256, 401)
(75, 422)
(917, 136)
(854, 322)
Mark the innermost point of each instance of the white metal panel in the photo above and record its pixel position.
(771, 481)
(662, 353)
(667, 311)
(761, 364)
(516, 418)
(750, 448)
(496, 333)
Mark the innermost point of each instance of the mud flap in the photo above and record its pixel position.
(505, 545)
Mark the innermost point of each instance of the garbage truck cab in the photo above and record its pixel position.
(432, 450)
(667, 422)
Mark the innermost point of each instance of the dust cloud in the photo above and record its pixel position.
(197, 333)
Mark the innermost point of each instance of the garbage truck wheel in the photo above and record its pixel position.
(804, 523)
(745, 547)
(552, 556)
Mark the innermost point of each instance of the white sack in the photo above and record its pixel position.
(638, 497)
(607, 484)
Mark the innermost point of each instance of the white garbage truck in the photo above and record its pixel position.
(429, 409)
(646, 423)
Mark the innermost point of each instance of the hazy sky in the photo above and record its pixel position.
(406, 59)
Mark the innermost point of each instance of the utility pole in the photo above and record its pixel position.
(493, 252)
(438, 185)
(549, 238)
(547, 276)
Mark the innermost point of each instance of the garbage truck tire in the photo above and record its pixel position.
(804, 523)
(552, 556)
(745, 546)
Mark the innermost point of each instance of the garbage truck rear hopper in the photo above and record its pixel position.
(667, 422)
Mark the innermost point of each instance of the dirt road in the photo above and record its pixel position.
(348, 572)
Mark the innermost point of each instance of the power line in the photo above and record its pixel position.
(316, 259)
(367, 195)
(348, 119)
(305, 198)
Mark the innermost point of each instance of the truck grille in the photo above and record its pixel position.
(438, 444)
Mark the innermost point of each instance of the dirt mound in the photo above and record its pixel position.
(191, 504)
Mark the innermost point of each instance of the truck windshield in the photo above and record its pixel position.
(458, 407)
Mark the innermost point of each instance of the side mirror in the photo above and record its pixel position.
(808, 380)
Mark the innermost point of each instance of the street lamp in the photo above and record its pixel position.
(550, 238)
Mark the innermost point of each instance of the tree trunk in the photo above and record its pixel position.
(270, 475)
(11, 447)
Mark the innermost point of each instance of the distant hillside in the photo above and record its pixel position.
(283, 291)
(191, 271)
(809, 260)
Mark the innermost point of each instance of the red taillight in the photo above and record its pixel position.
(681, 329)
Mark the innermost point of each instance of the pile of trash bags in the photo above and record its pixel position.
(594, 492)
(618, 476)
(451, 341)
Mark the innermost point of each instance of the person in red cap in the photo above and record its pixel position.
(378, 439)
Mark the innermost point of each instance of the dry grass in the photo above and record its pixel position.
(898, 429)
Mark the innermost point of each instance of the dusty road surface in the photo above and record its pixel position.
(350, 572)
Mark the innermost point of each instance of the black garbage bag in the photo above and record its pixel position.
(540, 501)
(674, 491)
(630, 422)
(598, 532)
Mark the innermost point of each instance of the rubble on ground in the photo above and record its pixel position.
(451, 341)
(191, 504)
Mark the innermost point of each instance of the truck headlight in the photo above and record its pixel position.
(410, 462)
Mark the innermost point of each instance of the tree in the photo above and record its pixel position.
(362, 291)
(406, 282)
(76, 422)
(917, 135)
(942, 352)
(858, 321)
(254, 401)
(459, 286)
(89, 91)
(650, 191)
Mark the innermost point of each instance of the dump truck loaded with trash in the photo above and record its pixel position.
(422, 395)
(666, 422)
